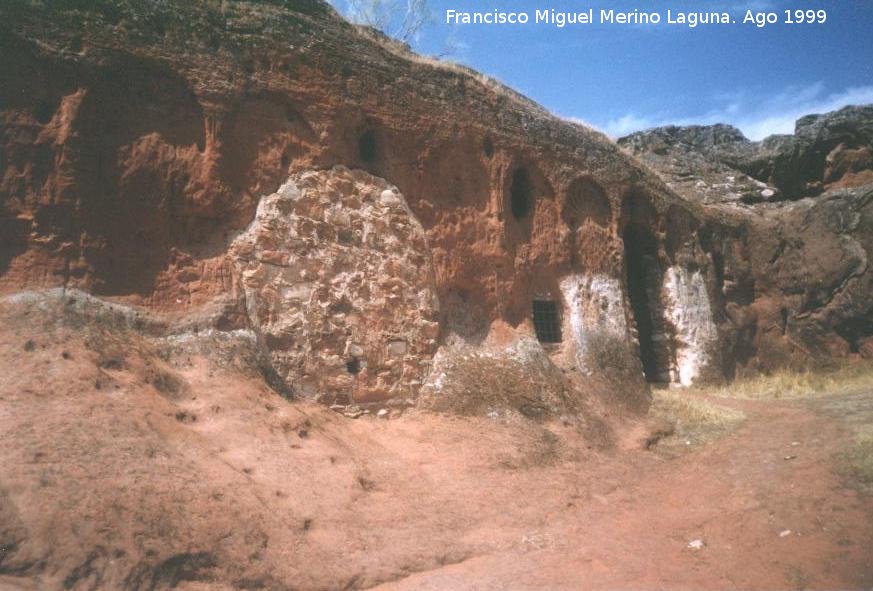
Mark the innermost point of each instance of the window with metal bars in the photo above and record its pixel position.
(547, 321)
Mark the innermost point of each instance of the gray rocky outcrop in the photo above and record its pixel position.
(718, 164)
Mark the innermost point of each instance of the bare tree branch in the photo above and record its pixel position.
(401, 19)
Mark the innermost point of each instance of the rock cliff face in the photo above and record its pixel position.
(717, 164)
(181, 157)
(792, 262)
(198, 195)
(139, 140)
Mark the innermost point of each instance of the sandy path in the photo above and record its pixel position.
(737, 495)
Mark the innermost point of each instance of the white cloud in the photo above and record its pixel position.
(778, 115)
(628, 124)
(756, 116)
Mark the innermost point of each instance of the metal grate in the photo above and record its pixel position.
(547, 321)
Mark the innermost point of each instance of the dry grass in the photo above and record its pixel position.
(843, 391)
(791, 384)
(692, 421)
(483, 384)
(690, 413)
(855, 411)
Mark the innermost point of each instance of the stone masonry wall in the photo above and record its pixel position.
(339, 286)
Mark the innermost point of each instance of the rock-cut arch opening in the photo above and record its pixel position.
(526, 191)
(367, 149)
(520, 194)
(644, 278)
(586, 200)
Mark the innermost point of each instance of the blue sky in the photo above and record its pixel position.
(624, 78)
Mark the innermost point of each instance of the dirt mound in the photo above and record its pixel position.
(153, 462)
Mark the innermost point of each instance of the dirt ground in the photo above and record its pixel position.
(136, 463)
(764, 501)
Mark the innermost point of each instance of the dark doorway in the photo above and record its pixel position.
(521, 194)
(547, 321)
(367, 146)
(644, 286)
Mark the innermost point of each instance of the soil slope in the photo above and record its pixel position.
(143, 462)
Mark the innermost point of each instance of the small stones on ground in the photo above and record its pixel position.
(353, 412)
(795, 443)
(383, 413)
(538, 541)
(785, 533)
(696, 544)
(789, 457)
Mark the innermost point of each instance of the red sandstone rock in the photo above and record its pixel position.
(143, 152)
(137, 142)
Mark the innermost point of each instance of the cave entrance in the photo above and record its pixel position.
(367, 146)
(644, 278)
(520, 194)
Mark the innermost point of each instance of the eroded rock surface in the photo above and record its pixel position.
(718, 164)
(690, 314)
(811, 264)
(597, 315)
(145, 156)
(139, 140)
(697, 161)
(786, 234)
(339, 285)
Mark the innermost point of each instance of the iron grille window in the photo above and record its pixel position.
(547, 321)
